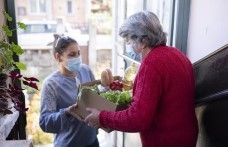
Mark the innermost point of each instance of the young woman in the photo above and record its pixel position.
(59, 94)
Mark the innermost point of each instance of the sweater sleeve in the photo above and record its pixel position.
(51, 120)
(140, 114)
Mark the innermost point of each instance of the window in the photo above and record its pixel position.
(163, 9)
(69, 7)
(134, 6)
(39, 28)
(37, 6)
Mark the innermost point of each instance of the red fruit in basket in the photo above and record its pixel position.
(121, 85)
(113, 86)
(116, 83)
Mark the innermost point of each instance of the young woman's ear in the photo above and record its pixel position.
(58, 57)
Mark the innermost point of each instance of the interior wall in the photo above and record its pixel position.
(2, 19)
(208, 27)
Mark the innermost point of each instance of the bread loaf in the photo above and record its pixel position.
(105, 78)
(111, 79)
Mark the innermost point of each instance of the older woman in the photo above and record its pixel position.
(162, 110)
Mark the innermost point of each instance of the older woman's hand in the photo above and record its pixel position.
(93, 118)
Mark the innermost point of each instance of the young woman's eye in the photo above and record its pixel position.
(72, 55)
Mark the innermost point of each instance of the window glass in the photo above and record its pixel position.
(37, 28)
(163, 9)
(42, 6)
(33, 6)
(134, 6)
(69, 6)
(89, 22)
(51, 28)
(37, 6)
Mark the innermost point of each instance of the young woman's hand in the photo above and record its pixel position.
(71, 111)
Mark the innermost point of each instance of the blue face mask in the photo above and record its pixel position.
(74, 64)
(132, 53)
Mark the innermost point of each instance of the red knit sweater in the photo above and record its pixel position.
(162, 110)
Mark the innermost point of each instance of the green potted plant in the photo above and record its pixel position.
(10, 91)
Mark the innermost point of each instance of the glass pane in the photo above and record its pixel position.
(134, 6)
(69, 6)
(42, 6)
(37, 28)
(120, 18)
(163, 9)
(33, 7)
(93, 36)
(51, 28)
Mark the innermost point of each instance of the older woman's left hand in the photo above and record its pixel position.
(93, 118)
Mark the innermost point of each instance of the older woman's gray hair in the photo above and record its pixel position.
(144, 28)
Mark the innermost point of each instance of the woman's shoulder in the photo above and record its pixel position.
(85, 73)
(84, 67)
(164, 53)
(52, 78)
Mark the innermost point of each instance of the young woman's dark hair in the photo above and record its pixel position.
(61, 42)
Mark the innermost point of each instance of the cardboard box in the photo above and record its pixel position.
(89, 99)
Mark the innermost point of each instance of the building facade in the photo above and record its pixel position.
(76, 12)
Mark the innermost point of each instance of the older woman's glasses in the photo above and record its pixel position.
(61, 38)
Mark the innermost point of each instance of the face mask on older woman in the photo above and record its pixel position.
(132, 53)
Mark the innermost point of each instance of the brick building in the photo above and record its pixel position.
(76, 12)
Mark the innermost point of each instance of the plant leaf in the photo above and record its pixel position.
(17, 49)
(25, 109)
(15, 75)
(31, 79)
(7, 111)
(7, 30)
(25, 83)
(21, 25)
(7, 16)
(33, 85)
(20, 65)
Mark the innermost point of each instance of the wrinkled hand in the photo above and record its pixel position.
(92, 119)
(71, 111)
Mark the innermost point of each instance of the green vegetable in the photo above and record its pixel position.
(94, 88)
(117, 97)
(124, 98)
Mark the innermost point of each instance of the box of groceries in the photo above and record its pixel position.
(108, 93)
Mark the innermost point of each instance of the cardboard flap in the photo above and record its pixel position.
(89, 99)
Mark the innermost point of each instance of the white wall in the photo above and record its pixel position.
(208, 27)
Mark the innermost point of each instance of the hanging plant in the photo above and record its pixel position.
(10, 92)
